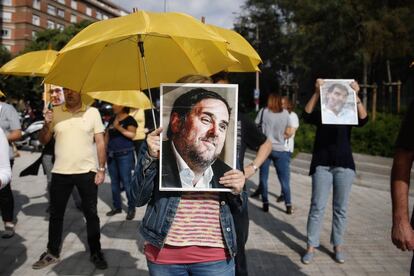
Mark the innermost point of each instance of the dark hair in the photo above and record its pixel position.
(222, 75)
(185, 103)
(126, 109)
(338, 85)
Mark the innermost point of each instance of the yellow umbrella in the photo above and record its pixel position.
(2, 94)
(241, 49)
(105, 56)
(130, 98)
(36, 63)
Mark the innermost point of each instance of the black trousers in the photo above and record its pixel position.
(7, 201)
(60, 190)
(241, 221)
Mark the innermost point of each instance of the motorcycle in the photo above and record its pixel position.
(30, 137)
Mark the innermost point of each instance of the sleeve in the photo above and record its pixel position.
(98, 125)
(405, 138)
(5, 171)
(131, 122)
(254, 138)
(313, 118)
(294, 120)
(13, 118)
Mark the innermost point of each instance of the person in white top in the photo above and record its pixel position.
(294, 119)
(5, 170)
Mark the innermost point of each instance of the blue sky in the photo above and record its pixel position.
(218, 12)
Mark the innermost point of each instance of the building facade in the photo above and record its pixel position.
(22, 19)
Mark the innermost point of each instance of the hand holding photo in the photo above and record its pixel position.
(199, 145)
(338, 102)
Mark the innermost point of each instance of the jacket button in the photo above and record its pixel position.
(223, 203)
(228, 229)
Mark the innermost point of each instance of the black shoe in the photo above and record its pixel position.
(98, 260)
(289, 210)
(280, 198)
(256, 193)
(130, 215)
(265, 207)
(114, 212)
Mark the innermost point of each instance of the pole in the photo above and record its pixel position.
(374, 102)
(256, 94)
(398, 96)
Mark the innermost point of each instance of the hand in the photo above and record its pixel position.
(234, 180)
(249, 171)
(403, 236)
(318, 84)
(354, 85)
(99, 177)
(153, 141)
(48, 115)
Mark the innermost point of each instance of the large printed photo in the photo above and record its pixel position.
(199, 135)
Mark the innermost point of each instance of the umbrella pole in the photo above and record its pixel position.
(141, 50)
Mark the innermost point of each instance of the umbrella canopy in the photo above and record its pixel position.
(105, 56)
(36, 63)
(130, 98)
(241, 49)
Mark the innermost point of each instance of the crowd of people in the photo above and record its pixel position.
(79, 149)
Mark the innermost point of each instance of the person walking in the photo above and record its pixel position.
(120, 158)
(9, 122)
(5, 170)
(77, 130)
(332, 167)
(276, 125)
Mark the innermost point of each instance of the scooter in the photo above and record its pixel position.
(30, 137)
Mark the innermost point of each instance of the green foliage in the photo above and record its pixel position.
(375, 138)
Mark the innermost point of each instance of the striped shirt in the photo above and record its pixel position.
(197, 221)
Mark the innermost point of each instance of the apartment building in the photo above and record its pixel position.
(22, 19)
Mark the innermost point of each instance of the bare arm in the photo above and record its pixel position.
(100, 148)
(14, 135)
(128, 132)
(402, 231)
(264, 150)
(46, 134)
(315, 97)
(362, 113)
(289, 131)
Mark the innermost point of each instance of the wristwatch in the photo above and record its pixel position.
(101, 169)
(254, 167)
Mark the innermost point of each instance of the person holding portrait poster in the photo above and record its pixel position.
(332, 167)
(190, 232)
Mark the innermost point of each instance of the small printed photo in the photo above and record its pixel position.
(199, 136)
(338, 102)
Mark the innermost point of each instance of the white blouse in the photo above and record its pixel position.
(5, 170)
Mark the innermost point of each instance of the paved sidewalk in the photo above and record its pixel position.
(275, 244)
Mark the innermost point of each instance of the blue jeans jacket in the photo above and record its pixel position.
(162, 206)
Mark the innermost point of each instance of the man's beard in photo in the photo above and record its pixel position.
(196, 158)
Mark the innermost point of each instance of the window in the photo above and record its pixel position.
(99, 15)
(60, 26)
(36, 4)
(6, 2)
(88, 11)
(105, 16)
(61, 13)
(8, 47)
(50, 24)
(73, 18)
(51, 9)
(61, 1)
(74, 4)
(35, 20)
(34, 34)
(6, 16)
(6, 33)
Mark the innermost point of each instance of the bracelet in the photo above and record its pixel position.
(254, 167)
(101, 169)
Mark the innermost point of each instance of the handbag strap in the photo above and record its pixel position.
(261, 117)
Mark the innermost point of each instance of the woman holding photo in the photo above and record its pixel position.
(332, 166)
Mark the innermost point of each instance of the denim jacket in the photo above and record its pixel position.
(162, 205)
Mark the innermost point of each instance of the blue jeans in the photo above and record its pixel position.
(281, 161)
(340, 179)
(222, 268)
(120, 167)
